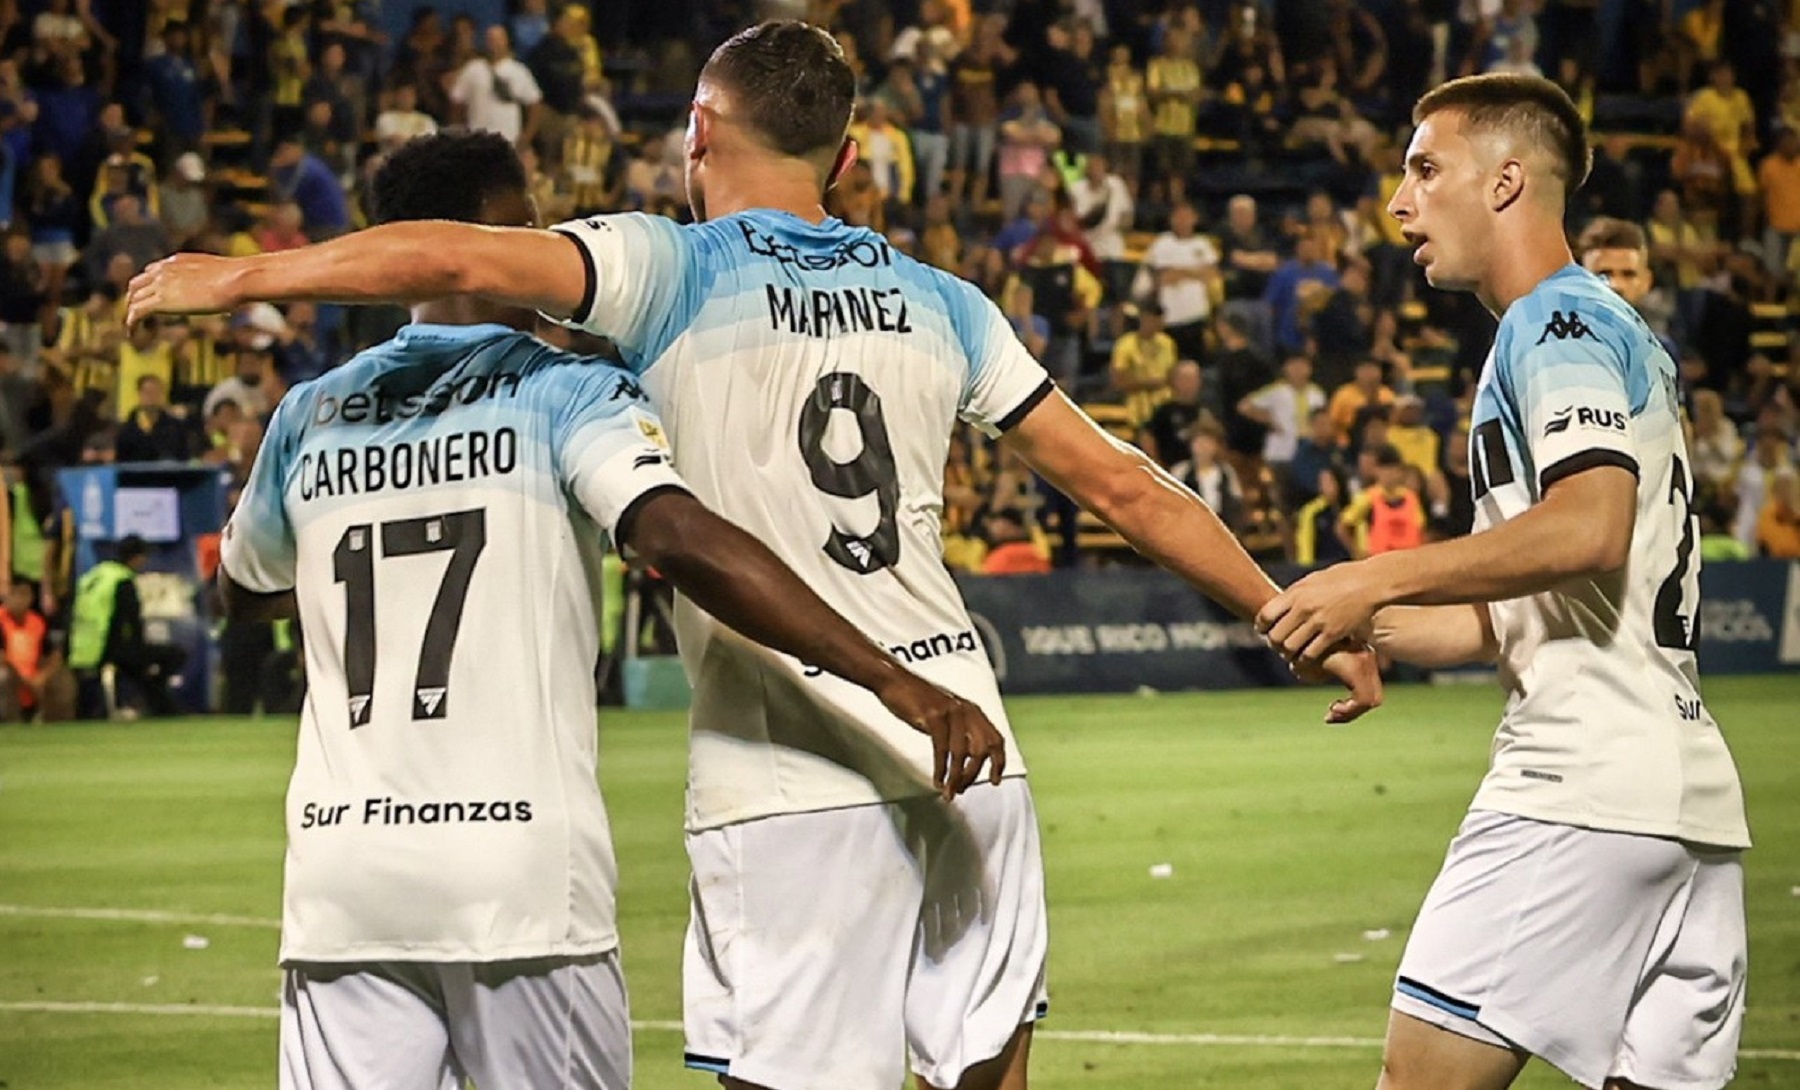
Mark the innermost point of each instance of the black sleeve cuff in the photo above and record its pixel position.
(1584, 460)
(622, 528)
(582, 312)
(1012, 419)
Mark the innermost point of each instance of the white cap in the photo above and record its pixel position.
(190, 167)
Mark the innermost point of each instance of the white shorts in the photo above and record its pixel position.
(827, 948)
(558, 1022)
(1609, 955)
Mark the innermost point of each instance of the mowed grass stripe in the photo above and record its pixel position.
(1288, 840)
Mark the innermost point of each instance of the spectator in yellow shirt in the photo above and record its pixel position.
(1141, 362)
(1365, 388)
(1176, 87)
(1778, 529)
(1779, 178)
(1723, 107)
(887, 149)
(145, 353)
(1417, 443)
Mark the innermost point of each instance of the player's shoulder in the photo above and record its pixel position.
(571, 378)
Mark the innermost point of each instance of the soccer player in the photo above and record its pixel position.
(436, 507)
(1590, 911)
(1618, 252)
(811, 377)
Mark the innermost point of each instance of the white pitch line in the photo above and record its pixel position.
(138, 915)
(142, 1008)
(1126, 1037)
(1104, 1037)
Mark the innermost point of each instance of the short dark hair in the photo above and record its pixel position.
(1387, 455)
(789, 82)
(1607, 233)
(1530, 106)
(131, 547)
(445, 176)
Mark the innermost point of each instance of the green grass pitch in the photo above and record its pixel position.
(1288, 841)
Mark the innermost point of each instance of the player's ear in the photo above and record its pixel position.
(1508, 184)
(844, 160)
(699, 130)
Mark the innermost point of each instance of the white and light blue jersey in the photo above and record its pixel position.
(438, 504)
(810, 377)
(1605, 726)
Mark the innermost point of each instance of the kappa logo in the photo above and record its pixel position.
(1566, 327)
(627, 389)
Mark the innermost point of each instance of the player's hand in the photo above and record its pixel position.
(183, 284)
(1307, 621)
(962, 738)
(1358, 670)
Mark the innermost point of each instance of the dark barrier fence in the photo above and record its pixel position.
(1121, 630)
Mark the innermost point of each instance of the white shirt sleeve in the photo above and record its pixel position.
(464, 87)
(257, 548)
(610, 450)
(1569, 386)
(524, 85)
(637, 267)
(1005, 383)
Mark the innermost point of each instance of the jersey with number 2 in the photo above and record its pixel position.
(437, 504)
(810, 378)
(1605, 726)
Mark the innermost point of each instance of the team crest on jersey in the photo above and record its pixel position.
(650, 429)
(1565, 327)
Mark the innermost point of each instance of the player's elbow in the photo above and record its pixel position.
(1596, 549)
(1123, 494)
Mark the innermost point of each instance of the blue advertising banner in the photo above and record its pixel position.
(1750, 617)
(1124, 630)
(1114, 631)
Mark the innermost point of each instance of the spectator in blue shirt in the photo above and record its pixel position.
(175, 94)
(296, 175)
(1299, 286)
(67, 111)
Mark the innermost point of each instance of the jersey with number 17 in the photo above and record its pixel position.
(437, 505)
(1605, 725)
(810, 377)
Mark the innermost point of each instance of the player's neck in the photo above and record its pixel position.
(769, 186)
(1523, 259)
(467, 310)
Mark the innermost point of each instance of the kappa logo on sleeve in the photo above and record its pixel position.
(1566, 327)
(1581, 416)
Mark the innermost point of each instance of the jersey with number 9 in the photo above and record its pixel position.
(1605, 726)
(437, 504)
(810, 377)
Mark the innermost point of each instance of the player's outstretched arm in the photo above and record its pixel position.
(394, 263)
(737, 579)
(1167, 523)
(1581, 529)
(1436, 637)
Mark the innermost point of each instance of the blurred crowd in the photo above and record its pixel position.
(1179, 205)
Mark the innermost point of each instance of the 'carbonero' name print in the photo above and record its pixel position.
(442, 459)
